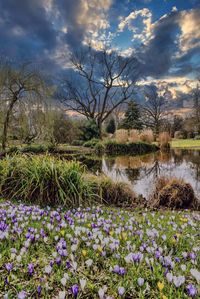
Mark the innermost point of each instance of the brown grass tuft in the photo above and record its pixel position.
(173, 193)
(118, 194)
(133, 136)
(121, 136)
(164, 140)
(147, 136)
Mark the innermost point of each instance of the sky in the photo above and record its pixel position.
(164, 35)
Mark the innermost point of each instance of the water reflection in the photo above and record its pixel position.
(141, 172)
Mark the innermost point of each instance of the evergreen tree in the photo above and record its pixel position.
(132, 117)
(111, 127)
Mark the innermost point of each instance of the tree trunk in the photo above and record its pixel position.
(6, 124)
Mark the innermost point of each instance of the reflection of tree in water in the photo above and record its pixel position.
(161, 164)
(132, 174)
(141, 172)
(177, 155)
(110, 162)
(154, 169)
(92, 164)
(194, 158)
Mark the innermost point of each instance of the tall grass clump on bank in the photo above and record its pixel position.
(133, 136)
(121, 136)
(44, 180)
(147, 136)
(164, 140)
(110, 193)
(47, 180)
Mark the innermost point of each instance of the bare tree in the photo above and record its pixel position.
(153, 109)
(105, 81)
(17, 84)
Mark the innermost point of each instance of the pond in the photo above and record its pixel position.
(141, 172)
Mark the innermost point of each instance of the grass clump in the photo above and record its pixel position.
(133, 136)
(121, 136)
(173, 193)
(77, 142)
(35, 149)
(91, 143)
(99, 148)
(45, 180)
(117, 194)
(164, 140)
(147, 136)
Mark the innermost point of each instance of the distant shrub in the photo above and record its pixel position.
(51, 148)
(77, 142)
(91, 143)
(147, 136)
(191, 135)
(180, 135)
(34, 149)
(173, 193)
(99, 148)
(197, 137)
(89, 130)
(164, 140)
(133, 136)
(121, 136)
(115, 148)
(111, 127)
(13, 149)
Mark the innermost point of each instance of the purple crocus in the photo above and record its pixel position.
(39, 290)
(192, 290)
(9, 266)
(121, 291)
(22, 295)
(137, 257)
(157, 254)
(74, 290)
(192, 255)
(58, 261)
(119, 270)
(140, 281)
(30, 269)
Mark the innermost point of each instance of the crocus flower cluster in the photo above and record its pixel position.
(98, 252)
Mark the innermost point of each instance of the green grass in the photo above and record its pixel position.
(185, 143)
(48, 180)
(49, 251)
(43, 179)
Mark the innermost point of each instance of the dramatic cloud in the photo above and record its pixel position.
(190, 30)
(144, 32)
(165, 37)
(174, 45)
(25, 28)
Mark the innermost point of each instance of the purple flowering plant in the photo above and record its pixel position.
(98, 252)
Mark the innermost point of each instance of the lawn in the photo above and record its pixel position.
(98, 253)
(185, 143)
